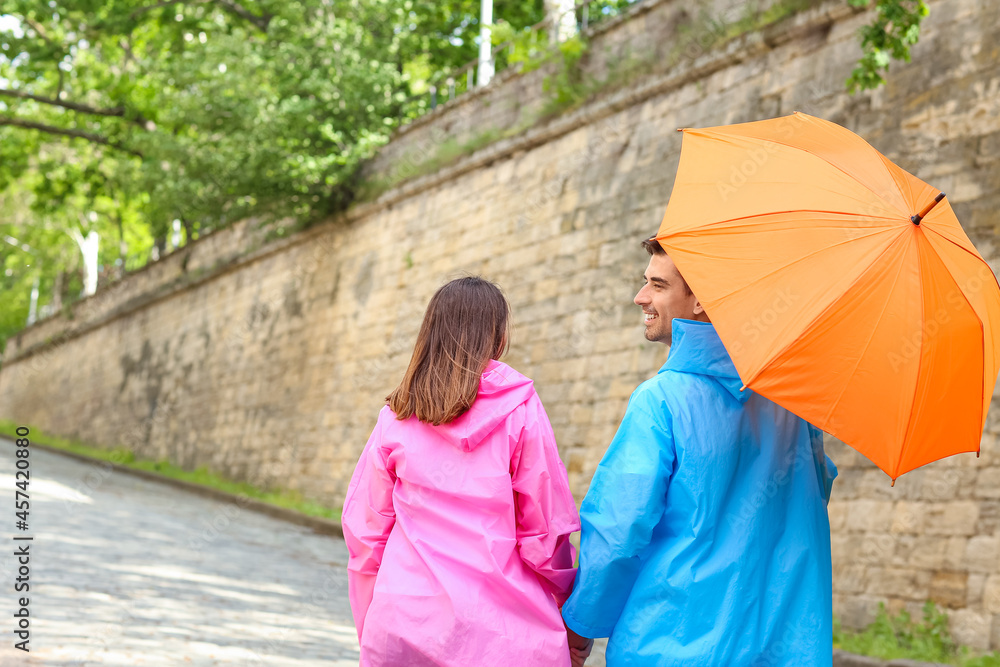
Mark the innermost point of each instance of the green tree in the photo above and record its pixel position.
(890, 35)
(123, 116)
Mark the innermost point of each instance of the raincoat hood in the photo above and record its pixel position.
(500, 391)
(695, 347)
(458, 535)
(706, 539)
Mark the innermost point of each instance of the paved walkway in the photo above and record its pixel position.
(130, 572)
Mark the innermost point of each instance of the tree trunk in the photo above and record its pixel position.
(57, 292)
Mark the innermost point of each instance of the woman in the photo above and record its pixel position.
(458, 516)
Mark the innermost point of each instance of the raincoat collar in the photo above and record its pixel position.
(696, 348)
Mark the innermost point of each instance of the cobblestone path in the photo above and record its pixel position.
(130, 572)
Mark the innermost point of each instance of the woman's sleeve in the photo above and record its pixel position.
(545, 510)
(367, 521)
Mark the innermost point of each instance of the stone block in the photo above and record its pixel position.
(902, 583)
(982, 554)
(971, 628)
(849, 578)
(949, 589)
(991, 594)
(977, 585)
(954, 552)
(876, 485)
(989, 517)
(837, 510)
(925, 552)
(908, 517)
(875, 550)
(870, 516)
(988, 483)
(952, 518)
(856, 611)
(940, 483)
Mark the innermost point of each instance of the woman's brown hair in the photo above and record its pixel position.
(466, 325)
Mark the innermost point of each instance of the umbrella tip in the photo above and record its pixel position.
(893, 482)
(916, 218)
(743, 387)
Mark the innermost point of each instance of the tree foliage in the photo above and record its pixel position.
(124, 116)
(890, 35)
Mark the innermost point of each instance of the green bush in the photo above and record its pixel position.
(894, 637)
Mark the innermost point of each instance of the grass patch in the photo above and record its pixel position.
(288, 499)
(896, 637)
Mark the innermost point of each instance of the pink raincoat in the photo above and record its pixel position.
(459, 535)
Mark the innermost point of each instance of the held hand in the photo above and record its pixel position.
(577, 657)
(579, 648)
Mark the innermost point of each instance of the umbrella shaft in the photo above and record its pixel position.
(915, 219)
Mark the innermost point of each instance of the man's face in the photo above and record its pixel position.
(664, 297)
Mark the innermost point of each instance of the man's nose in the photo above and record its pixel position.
(641, 297)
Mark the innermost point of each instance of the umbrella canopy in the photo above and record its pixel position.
(843, 287)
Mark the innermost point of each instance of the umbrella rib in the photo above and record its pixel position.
(811, 322)
(840, 169)
(801, 210)
(804, 258)
(982, 341)
(977, 257)
(920, 364)
(868, 342)
(955, 243)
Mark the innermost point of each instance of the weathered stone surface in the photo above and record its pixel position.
(982, 553)
(991, 594)
(951, 518)
(971, 627)
(949, 589)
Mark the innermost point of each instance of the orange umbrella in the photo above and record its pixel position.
(843, 287)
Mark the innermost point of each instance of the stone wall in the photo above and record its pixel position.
(269, 361)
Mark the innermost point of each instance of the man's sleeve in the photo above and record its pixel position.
(826, 471)
(626, 501)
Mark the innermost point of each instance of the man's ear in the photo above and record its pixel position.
(699, 312)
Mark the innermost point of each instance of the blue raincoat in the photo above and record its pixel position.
(705, 538)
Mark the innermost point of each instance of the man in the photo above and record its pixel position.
(705, 538)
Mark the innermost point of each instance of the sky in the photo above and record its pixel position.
(9, 23)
